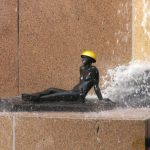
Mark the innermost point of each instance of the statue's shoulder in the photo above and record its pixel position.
(95, 71)
(94, 68)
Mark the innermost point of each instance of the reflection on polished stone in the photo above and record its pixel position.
(16, 104)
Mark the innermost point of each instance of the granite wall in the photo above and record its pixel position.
(55, 131)
(8, 48)
(41, 41)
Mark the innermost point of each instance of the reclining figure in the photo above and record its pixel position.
(89, 77)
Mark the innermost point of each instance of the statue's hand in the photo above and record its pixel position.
(107, 100)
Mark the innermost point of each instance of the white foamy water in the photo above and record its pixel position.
(128, 84)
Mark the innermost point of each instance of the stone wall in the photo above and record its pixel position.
(41, 41)
(71, 131)
(8, 48)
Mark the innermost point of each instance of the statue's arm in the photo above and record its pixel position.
(96, 86)
(98, 92)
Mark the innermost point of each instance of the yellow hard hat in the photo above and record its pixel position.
(90, 54)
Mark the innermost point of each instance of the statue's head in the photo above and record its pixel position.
(88, 57)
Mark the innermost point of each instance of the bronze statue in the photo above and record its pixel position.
(89, 77)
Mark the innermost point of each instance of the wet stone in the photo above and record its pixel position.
(16, 104)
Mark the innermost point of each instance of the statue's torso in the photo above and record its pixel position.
(88, 77)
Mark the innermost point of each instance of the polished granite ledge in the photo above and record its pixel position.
(92, 125)
(16, 104)
(119, 129)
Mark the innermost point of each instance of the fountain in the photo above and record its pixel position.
(54, 99)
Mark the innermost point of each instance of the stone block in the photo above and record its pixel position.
(54, 33)
(6, 133)
(75, 131)
(8, 48)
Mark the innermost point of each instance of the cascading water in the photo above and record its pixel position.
(129, 85)
(146, 17)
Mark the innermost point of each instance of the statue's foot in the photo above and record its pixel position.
(107, 100)
(26, 97)
(30, 97)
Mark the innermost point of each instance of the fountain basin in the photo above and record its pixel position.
(119, 129)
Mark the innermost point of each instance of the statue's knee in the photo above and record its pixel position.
(51, 90)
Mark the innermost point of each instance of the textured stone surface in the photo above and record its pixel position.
(8, 48)
(44, 133)
(90, 105)
(119, 129)
(6, 133)
(54, 33)
(141, 29)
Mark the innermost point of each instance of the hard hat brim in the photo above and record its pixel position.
(90, 54)
(93, 60)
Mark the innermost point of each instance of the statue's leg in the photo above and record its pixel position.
(37, 95)
(62, 96)
(54, 90)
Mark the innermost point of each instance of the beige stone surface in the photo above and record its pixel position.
(6, 133)
(8, 48)
(78, 133)
(54, 33)
(141, 30)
